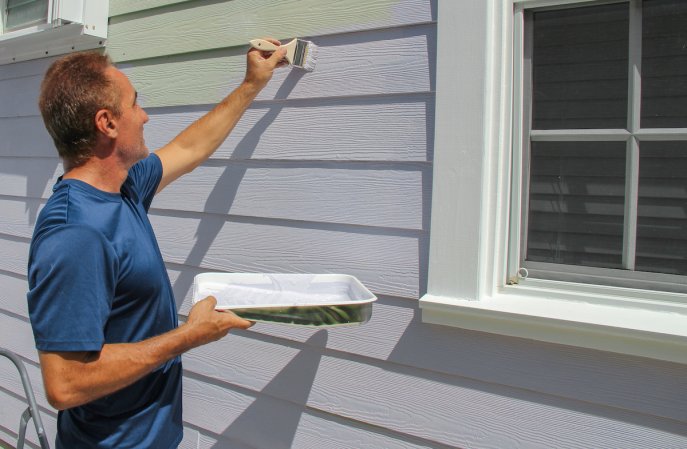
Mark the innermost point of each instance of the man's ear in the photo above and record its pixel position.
(106, 123)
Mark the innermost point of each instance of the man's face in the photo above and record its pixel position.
(130, 142)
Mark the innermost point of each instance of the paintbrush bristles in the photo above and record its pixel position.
(305, 55)
(301, 53)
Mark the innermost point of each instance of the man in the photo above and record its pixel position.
(100, 301)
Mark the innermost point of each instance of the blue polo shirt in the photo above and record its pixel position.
(96, 276)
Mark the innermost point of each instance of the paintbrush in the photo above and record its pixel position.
(299, 53)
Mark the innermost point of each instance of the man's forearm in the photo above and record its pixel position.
(205, 135)
(76, 378)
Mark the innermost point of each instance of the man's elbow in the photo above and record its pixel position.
(58, 404)
(63, 375)
(60, 397)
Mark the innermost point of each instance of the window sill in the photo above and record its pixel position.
(622, 325)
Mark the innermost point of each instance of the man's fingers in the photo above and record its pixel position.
(237, 321)
(266, 54)
(274, 41)
(211, 301)
(245, 324)
(277, 57)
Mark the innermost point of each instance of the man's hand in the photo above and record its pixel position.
(260, 65)
(211, 324)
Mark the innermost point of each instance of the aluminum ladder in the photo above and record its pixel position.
(32, 410)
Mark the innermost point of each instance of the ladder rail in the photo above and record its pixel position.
(32, 410)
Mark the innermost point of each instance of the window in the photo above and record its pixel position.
(32, 29)
(558, 192)
(605, 148)
(21, 13)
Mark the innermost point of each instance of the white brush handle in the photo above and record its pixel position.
(262, 44)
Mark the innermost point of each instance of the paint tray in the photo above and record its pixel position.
(299, 299)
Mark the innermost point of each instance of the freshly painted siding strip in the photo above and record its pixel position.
(392, 62)
(386, 264)
(207, 25)
(368, 195)
(393, 128)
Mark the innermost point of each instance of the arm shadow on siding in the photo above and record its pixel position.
(226, 188)
(276, 421)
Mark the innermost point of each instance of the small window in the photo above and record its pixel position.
(31, 29)
(606, 144)
(22, 13)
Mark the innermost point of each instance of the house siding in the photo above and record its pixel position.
(329, 171)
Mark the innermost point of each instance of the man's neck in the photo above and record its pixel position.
(100, 174)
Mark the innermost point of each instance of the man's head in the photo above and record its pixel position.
(74, 89)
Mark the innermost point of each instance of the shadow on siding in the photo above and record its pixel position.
(276, 422)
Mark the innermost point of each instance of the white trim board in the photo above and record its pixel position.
(647, 333)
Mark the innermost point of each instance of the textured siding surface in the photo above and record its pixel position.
(328, 171)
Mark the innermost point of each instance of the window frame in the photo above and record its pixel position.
(632, 137)
(474, 188)
(71, 25)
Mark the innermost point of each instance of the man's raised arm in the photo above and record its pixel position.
(197, 142)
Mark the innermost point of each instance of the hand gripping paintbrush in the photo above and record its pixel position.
(299, 53)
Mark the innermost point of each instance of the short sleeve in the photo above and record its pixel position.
(146, 176)
(72, 272)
